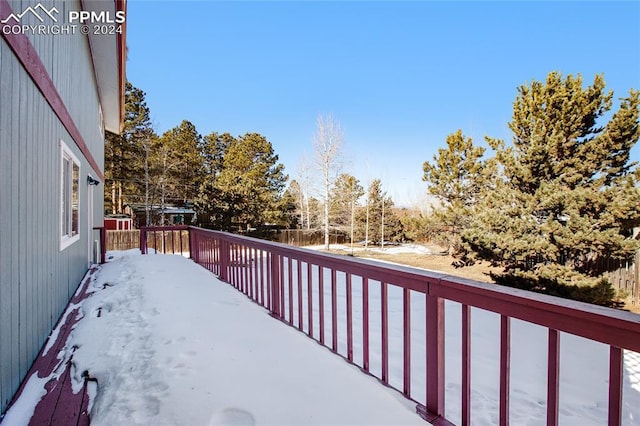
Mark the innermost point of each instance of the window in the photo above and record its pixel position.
(69, 196)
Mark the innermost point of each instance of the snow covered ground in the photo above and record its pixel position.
(171, 344)
(388, 248)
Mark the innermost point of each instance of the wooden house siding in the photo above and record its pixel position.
(67, 61)
(37, 278)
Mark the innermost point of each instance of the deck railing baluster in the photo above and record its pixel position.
(300, 313)
(505, 366)
(466, 365)
(321, 302)
(406, 341)
(553, 368)
(334, 312)
(365, 324)
(310, 298)
(290, 281)
(384, 326)
(349, 318)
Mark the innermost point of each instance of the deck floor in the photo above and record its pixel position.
(168, 343)
(61, 405)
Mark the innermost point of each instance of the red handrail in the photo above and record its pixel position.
(264, 271)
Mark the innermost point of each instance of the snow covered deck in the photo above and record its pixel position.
(54, 394)
(168, 343)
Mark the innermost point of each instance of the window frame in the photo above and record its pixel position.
(67, 197)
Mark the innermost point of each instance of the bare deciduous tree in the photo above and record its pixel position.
(327, 144)
(305, 181)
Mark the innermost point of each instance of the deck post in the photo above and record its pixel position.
(616, 368)
(143, 240)
(275, 286)
(224, 260)
(435, 355)
(192, 244)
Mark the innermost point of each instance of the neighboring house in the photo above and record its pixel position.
(173, 215)
(60, 89)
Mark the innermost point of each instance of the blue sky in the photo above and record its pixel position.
(400, 76)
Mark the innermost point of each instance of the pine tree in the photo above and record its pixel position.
(250, 184)
(569, 197)
(127, 154)
(182, 144)
(213, 149)
(208, 200)
(295, 191)
(314, 211)
(344, 201)
(457, 177)
(377, 221)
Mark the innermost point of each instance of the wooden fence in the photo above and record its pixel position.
(165, 239)
(171, 240)
(304, 237)
(123, 240)
(627, 278)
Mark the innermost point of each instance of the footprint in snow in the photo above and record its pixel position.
(230, 302)
(232, 417)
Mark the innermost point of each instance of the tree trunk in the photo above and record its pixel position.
(119, 197)
(326, 215)
(382, 227)
(162, 187)
(162, 205)
(366, 227)
(146, 186)
(113, 197)
(353, 219)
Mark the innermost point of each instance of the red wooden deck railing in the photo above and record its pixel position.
(164, 239)
(284, 279)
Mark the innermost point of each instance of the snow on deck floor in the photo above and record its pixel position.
(171, 344)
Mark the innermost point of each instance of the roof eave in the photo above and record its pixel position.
(108, 53)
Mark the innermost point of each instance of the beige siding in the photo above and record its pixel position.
(36, 278)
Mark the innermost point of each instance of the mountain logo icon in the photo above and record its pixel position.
(39, 11)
